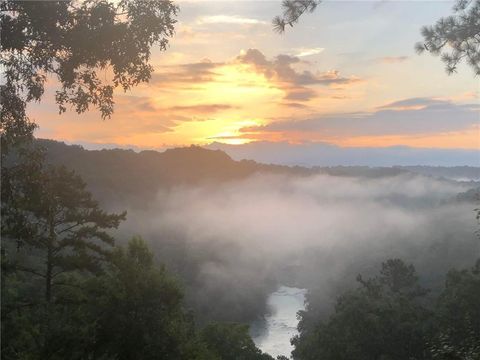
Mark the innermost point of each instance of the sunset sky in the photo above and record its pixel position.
(346, 75)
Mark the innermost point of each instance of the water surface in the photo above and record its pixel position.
(274, 334)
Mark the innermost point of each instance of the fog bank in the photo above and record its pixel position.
(242, 238)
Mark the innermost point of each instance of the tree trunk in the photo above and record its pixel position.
(48, 277)
(49, 263)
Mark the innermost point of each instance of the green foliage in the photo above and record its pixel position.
(133, 310)
(455, 38)
(382, 319)
(458, 317)
(89, 47)
(56, 219)
(139, 313)
(231, 341)
(15, 127)
(389, 317)
(53, 235)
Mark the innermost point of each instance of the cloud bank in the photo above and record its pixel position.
(405, 117)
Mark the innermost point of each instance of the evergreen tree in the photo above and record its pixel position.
(382, 319)
(292, 11)
(455, 38)
(139, 312)
(66, 226)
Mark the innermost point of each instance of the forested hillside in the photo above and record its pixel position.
(126, 175)
(130, 176)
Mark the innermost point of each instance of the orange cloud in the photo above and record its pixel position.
(241, 99)
(420, 122)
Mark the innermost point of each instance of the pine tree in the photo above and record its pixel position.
(66, 226)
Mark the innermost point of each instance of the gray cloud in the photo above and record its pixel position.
(413, 102)
(300, 94)
(281, 68)
(295, 82)
(186, 73)
(130, 103)
(178, 113)
(435, 116)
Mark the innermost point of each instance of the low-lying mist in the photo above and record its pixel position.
(234, 242)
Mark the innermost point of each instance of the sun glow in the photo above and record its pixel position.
(235, 136)
(244, 93)
(239, 86)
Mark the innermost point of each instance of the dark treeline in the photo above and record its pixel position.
(391, 316)
(108, 173)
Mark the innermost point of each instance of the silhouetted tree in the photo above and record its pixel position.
(89, 47)
(455, 38)
(132, 310)
(292, 11)
(53, 230)
(61, 221)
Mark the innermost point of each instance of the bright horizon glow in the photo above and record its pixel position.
(208, 86)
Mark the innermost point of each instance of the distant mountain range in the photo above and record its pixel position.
(117, 174)
(125, 175)
(325, 154)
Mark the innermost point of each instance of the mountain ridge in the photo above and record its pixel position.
(116, 174)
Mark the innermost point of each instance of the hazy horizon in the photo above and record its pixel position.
(322, 154)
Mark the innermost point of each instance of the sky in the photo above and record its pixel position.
(346, 75)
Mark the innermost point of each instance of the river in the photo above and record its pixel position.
(274, 333)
